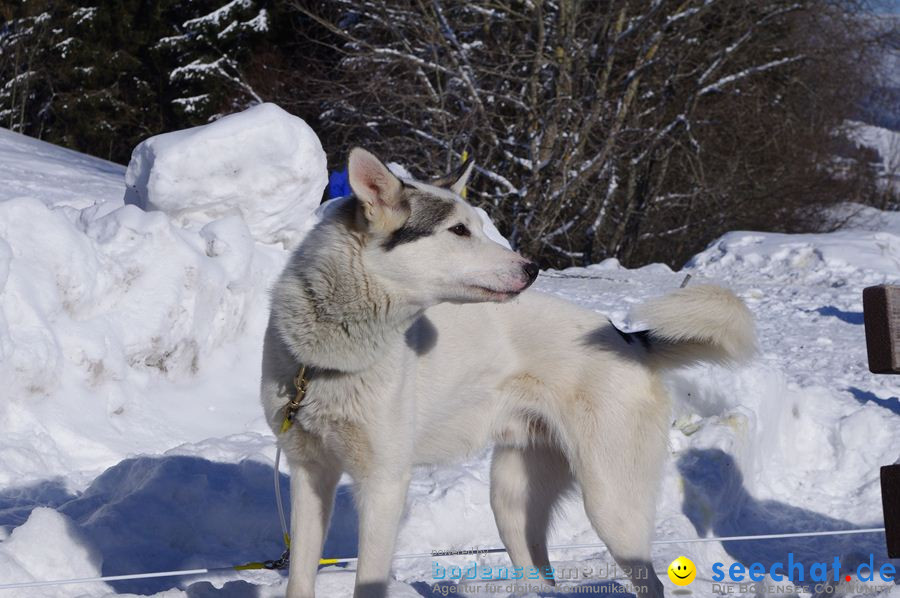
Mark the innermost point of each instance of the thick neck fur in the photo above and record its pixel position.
(329, 311)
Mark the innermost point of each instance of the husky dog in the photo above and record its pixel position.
(420, 348)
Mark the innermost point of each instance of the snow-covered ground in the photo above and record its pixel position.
(132, 438)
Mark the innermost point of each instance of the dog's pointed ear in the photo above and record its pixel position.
(456, 180)
(459, 185)
(379, 191)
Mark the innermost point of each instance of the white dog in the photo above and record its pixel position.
(420, 347)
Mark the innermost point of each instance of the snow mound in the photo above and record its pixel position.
(262, 163)
(868, 257)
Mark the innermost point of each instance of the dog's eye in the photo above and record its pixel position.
(460, 229)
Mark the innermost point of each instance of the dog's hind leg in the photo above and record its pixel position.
(616, 456)
(621, 511)
(312, 498)
(525, 484)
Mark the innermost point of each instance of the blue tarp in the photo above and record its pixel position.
(338, 184)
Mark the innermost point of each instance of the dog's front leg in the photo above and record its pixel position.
(380, 499)
(312, 497)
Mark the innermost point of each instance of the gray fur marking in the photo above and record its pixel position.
(426, 214)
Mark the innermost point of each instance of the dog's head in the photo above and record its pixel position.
(426, 243)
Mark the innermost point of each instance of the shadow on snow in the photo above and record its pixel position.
(166, 513)
(717, 503)
(180, 512)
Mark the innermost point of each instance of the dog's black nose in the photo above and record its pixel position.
(531, 269)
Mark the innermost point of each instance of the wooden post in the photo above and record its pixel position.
(890, 499)
(881, 312)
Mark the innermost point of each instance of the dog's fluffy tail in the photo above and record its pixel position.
(698, 323)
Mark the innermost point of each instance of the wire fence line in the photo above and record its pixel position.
(441, 554)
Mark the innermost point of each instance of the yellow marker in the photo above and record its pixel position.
(465, 156)
(682, 571)
(329, 561)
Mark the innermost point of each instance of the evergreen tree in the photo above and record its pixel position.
(210, 46)
(101, 75)
(80, 75)
(27, 37)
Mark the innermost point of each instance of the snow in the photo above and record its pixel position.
(130, 342)
(884, 141)
(262, 163)
(259, 23)
(54, 175)
(192, 103)
(220, 14)
(196, 69)
(82, 14)
(27, 555)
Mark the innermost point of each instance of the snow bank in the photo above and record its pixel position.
(263, 164)
(55, 175)
(97, 313)
(866, 257)
(114, 320)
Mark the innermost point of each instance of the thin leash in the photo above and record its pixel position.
(301, 385)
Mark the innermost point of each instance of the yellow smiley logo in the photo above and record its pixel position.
(682, 571)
